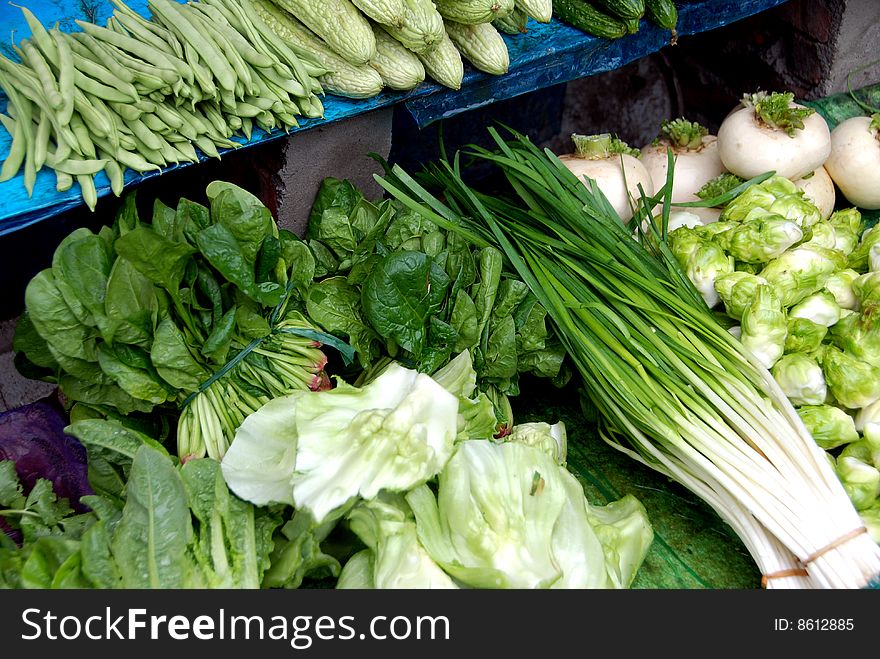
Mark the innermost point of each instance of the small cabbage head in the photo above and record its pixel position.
(764, 327)
(853, 382)
(801, 271)
(760, 239)
(737, 291)
(840, 285)
(820, 307)
(829, 425)
(858, 334)
(801, 379)
(860, 480)
(804, 335)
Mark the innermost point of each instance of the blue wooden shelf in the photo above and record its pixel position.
(546, 55)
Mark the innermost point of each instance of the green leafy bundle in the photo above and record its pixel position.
(400, 287)
(170, 526)
(189, 310)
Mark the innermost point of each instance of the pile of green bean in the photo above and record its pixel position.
(145, 93)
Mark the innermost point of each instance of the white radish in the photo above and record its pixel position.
(614, 167)
(773, 133)
(696, 158)
(854, 163)
(819, 188)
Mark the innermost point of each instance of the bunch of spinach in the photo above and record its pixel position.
(156, 524)
(400, 287)
(139, 316)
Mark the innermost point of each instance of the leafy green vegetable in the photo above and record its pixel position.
(320, 451)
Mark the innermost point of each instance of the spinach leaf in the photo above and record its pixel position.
(465, 322)
(85, 265)
(333, 193)
(499, 359)
(325, 262)
(131, 304)
(485, 292)
(336, 307)
(300, 262)
(249, 320)
(216, 346)
(54, 320)
(222, 250)
(112, 436)
(161, 260)
(165, 222)
(151, 538)
(174, 362)
(511, 292)
(102, 394)
(79, 368)
(335, 231)
(127, 216)
(442, 338)
(531, 327)
(46, 557)
(28, 341)
(138, 382)
(401, 294)
(267, 258)
(406, 230)
(193, 218)
(243, 215)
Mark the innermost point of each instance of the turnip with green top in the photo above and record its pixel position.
(773, 133)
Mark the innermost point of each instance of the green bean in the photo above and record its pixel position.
(185, 130)
(114, 173)
(145, 105)
(289, 85)
(87, 188)
(176, 18)
(8, 123)
(63, 181)
(145, 135)
(47, 79)
(65, 75)
(212, 114)
(247, 52)
(127, 111)
(228, 99)
(154, 123)
(99, 124)
(127, 157)
(234, 121)
(248, 110)
(203, 75)
(207, 146)
(30, 168)
(78, 167)
(266, 121)
(83, 136)
(194, 120)
(29, 90)
(127, 142)
(259, 102)
(41, 140)
(288, 119)
(87, 46)
(131, 45)
(40, 35)
(247, 127)
(168, 116)
(150, 26)
(188, 151)
(16, 154)
(137, 29)
(102, 74)
(210, 31)
(316, 109)
(95, 88)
